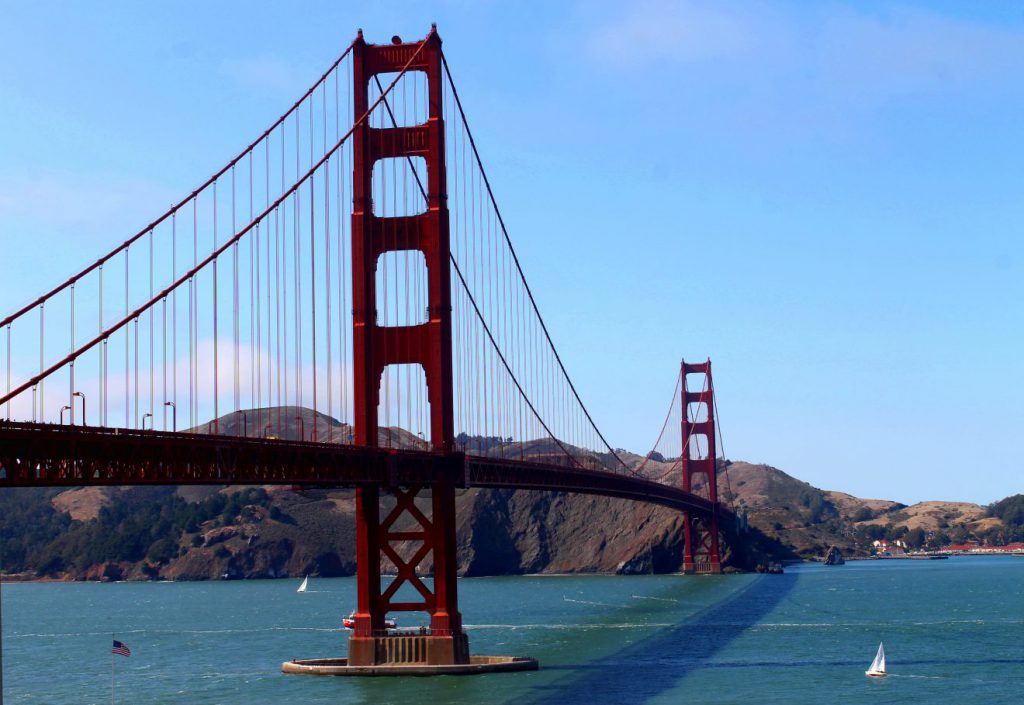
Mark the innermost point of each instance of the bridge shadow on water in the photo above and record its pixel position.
(655, 665)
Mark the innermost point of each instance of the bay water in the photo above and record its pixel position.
(953, 633)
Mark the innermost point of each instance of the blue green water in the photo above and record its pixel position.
(953, 630)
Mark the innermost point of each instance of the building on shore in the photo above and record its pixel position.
(890, 548)
(978, 548)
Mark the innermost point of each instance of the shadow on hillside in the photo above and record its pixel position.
(652, 666)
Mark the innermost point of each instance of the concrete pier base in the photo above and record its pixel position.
(408, 649)
(702, 568)
(476, 665)
(408, 654)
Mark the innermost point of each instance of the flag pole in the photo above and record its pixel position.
(1, 634)
(112, 655)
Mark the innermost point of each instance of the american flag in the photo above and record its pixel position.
(121, 648)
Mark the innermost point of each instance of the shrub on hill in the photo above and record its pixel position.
(36, 537)
(1010, 510)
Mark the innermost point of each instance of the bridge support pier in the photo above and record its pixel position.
(372, 644)
(701, 547)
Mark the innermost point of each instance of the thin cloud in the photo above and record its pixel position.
(774, 79)
(909, 51)
(59, 199)
(679, 32)
(900, 50)
(265, 74)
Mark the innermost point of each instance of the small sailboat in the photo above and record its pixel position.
(305, 584)
(877, 667)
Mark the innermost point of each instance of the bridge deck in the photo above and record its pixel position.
(52, 455)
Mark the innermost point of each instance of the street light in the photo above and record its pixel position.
(150, 416)
(62, 410)
(80, 394)
(174, 415)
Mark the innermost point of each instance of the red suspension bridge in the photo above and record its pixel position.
(351, 261)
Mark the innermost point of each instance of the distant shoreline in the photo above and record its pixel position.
(938, 555)
(21, 578)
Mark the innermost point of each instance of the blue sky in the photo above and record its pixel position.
(827, 199)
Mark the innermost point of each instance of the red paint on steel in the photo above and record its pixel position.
(49, 455)
(700, 536)
(98, 264)
(188, 276)
(429, 344)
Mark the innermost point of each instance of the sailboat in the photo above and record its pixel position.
(877, 667)
(305, 584)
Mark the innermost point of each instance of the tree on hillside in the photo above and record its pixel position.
(915, 538)
(1010, 510)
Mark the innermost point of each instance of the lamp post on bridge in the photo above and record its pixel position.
(80, 394)
(174, 416)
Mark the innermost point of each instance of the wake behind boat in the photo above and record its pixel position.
(877, 667)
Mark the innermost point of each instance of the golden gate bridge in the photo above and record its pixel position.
(352, 261)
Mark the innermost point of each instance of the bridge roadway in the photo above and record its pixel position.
(34, 455)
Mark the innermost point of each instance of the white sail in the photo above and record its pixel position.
(878, 665)
(305, 582)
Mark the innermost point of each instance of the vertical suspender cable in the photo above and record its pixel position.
(341, 164)
(192, 330)
(42, 412)
(102, 355)
(296, 276)
(235, 330)
(71, 366)
(135, 393)
(127, 355)
(347, 167)
(282, 283)
(254, 340)
(312, 268)
(174, 315)
(216, 332)
(163, 342)
(327, 275)
(8, 370)
(152, 371)
(297, 283)
(258, 342)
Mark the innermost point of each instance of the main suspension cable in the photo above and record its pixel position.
(199, 266)
(515, 257)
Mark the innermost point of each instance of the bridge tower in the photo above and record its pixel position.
(700, 549)
(428, 344)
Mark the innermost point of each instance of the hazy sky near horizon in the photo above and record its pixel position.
(825, 198)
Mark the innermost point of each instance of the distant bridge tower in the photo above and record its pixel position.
(700, 550)
(428, 344)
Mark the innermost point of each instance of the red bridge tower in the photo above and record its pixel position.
(429, 345)
(700, 550)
